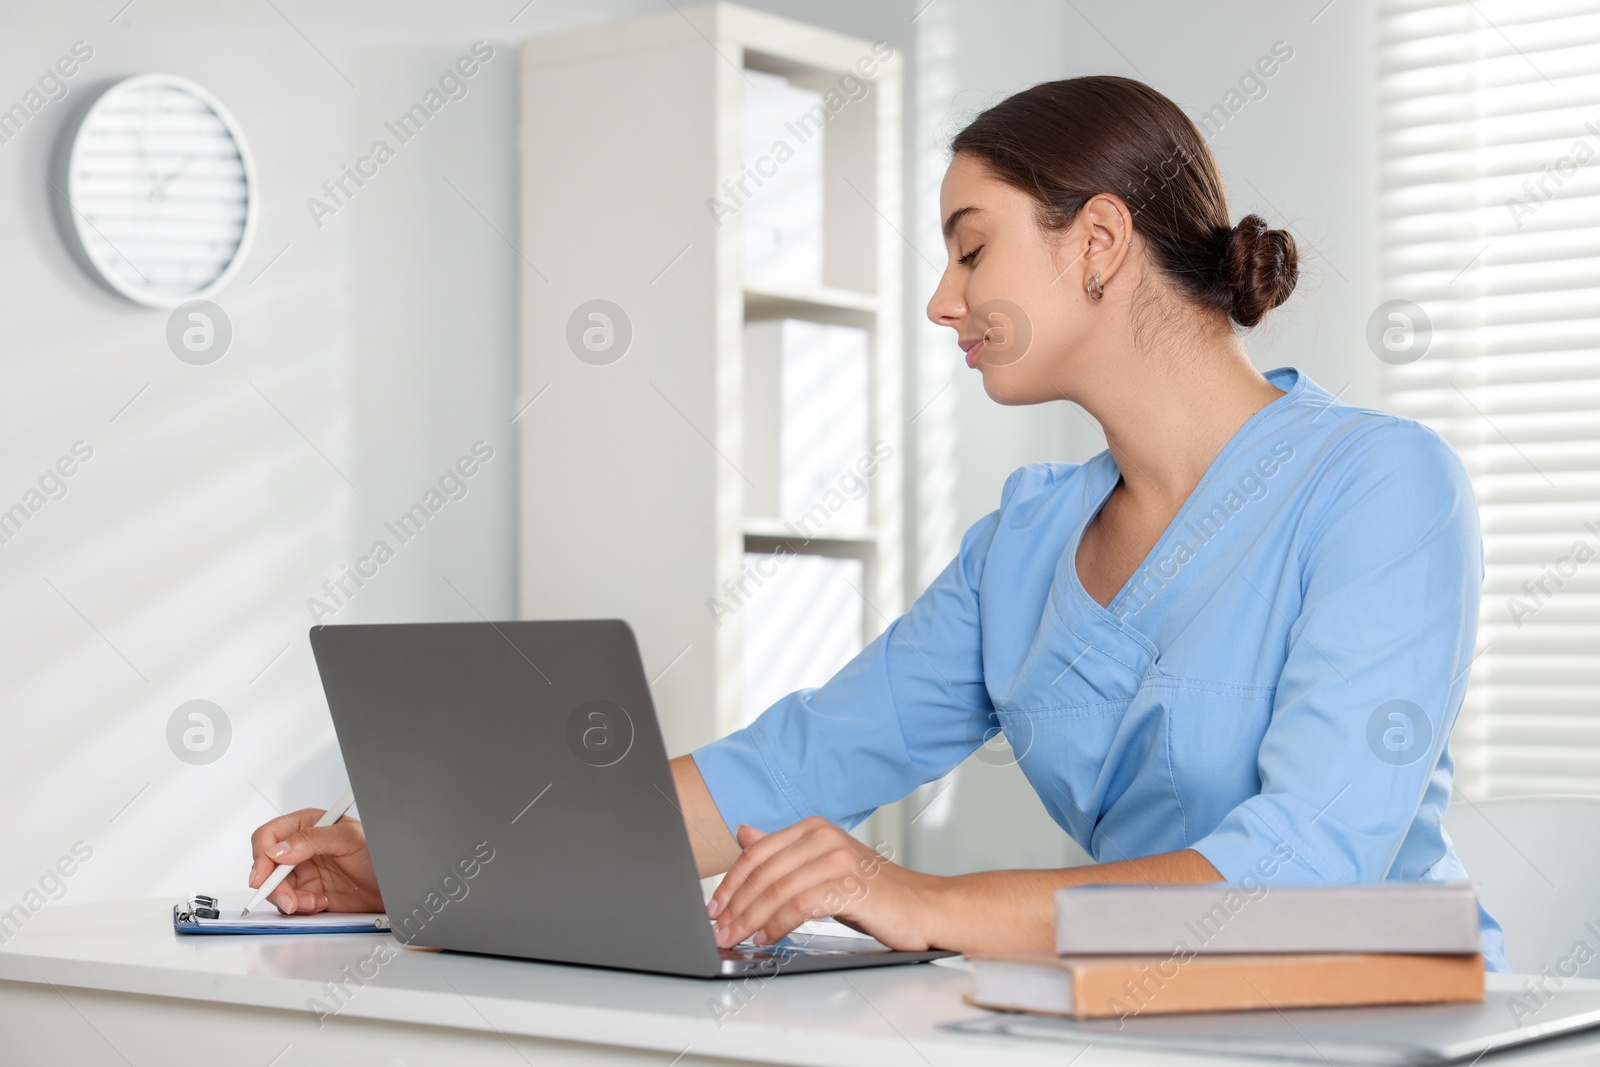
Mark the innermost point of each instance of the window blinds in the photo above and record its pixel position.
(1490, 227)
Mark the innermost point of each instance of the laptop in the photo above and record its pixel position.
(1390, 1035)
(517, 800)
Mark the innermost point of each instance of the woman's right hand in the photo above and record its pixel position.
(333, 870)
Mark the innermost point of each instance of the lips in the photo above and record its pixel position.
(973, 348)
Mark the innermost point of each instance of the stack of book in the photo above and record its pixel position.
(1124, 951)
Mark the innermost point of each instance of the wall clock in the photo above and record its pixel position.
(156, 191)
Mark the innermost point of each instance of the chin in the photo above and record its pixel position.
(1005, 389)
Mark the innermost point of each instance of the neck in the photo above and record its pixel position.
(1167, 420)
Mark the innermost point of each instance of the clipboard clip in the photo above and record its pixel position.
(198, 906)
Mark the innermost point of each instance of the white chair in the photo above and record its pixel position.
(1536, 863)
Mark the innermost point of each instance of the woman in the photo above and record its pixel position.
(1231, 646)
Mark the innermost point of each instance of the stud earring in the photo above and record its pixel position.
(1094, 288)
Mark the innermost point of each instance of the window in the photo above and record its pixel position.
(1490, 228)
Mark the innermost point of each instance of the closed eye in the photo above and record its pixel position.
(967, 259)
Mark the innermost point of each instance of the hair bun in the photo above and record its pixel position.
(1262, 267)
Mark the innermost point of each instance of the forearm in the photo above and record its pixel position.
(1012, 911)
(714, 847)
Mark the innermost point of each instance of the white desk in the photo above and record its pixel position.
(112, 984)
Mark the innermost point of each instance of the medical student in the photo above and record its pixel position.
(1230, 647)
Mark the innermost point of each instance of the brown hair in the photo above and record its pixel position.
(1063, 142)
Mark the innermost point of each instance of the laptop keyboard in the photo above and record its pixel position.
(786, 948)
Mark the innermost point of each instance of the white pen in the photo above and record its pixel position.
(275, 879)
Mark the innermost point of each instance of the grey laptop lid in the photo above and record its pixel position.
(515, 791)
(1401, 1035)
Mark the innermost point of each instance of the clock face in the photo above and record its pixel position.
(160, 191)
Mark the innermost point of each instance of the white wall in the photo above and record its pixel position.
(376, 349)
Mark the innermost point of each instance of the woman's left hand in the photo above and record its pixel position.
(811, 870)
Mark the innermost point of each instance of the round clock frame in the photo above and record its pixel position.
(89, 246)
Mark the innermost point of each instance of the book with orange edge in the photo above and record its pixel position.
(1092, 987)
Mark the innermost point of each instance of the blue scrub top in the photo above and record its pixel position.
(1274, 687)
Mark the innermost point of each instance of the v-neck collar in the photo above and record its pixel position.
(1105, 475)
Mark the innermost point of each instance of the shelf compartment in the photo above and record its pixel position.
(761, 536)
(840, 307)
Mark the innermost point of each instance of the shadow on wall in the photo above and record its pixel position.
(315, 781)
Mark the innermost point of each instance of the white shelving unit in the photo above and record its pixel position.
(632, 497)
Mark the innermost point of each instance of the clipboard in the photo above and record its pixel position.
(202, 914)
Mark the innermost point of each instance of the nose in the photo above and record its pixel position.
(948, 305)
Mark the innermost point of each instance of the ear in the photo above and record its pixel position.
(1105, 229)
